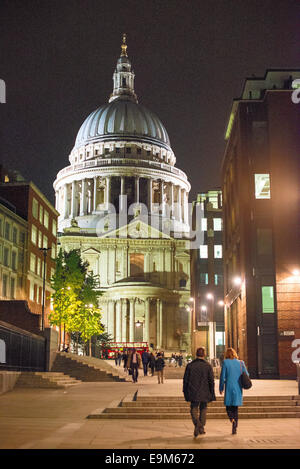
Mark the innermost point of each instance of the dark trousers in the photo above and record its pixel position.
(135, 372)
(145, 366)
(198, 413)
(232, 412)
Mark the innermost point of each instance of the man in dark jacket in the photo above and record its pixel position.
(199, 389)
(145, 361)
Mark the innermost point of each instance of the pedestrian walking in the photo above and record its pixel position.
(180, 360)
(199, 389)
(145, 361)
(232, 369)
(119, 358)
(125, 358)
(159, 367)
(152, 363)
(116, 357)
(133, 364)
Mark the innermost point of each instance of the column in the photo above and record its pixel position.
(122, 205)
(73, 200)
(95, 194)
(160, 321)
(83, 198)
(185, 207)
(65, 212)
(131, 320)
(107, 192)
(137, 189)
(147, 320)
(158, 343)
(118, 321)
(56, 200)
(162, 203)
(124, 320)
(171, 200)
(111, 318)
(149, 195)
(179, 204)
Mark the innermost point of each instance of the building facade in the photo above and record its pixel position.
(124, 204)
(35, 235)
(261, 186)
(207, 288)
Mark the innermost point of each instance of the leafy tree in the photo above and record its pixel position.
(75, 297)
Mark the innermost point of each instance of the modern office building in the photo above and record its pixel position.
(261, 207)
(207, 289)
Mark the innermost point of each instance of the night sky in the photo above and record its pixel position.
(190, 59)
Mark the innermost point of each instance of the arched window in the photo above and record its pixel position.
(2, 351)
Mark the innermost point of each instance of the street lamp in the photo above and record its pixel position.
(237, 281)
(44, 250)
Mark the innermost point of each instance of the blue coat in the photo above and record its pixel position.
(230, 374)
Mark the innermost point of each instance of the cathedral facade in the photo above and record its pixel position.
(124, 204)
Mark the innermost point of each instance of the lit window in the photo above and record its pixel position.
(32, 262)
(53, 251)
(40, 239)
(218, 279)
(204, 278)
(46, 219)
(203, 251)
(41, 214)
(218, 251)
(267, 294)
(35, 207)
(38, 270)
(33, 234)
(45, 242)
(262, 186)
(54, 227)
(217, 224)
(31, 291)
(204, 224)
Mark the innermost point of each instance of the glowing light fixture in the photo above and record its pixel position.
(237, 281)
(296, 272)
(210, 296)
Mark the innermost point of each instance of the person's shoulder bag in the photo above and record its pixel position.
(245, 381)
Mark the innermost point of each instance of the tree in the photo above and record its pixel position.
(75, 297)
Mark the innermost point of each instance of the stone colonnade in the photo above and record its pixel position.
(121, 325)
(89, 195)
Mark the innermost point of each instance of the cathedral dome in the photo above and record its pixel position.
(122, 118)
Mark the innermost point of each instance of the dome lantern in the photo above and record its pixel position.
(123, 77)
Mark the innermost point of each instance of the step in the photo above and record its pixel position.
(209, 410)
(220, 415)
(217, 404)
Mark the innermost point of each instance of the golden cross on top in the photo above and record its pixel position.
(124, 47)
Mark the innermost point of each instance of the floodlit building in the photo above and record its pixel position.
(124, 204)
(261, 206)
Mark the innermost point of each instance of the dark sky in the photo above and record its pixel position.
(190, 59)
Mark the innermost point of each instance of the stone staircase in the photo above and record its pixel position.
(28, 379)
(85, 368)
(164, 407)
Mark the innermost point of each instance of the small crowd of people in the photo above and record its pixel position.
(177, 359)
(133, 361)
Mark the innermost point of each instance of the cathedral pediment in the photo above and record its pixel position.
(137, 229)
(90, 251)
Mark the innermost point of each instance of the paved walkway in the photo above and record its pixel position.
(56, 419)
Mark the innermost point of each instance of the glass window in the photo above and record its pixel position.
(217, 224)
(0, 226)
(12, 288)
(14, 260)
(264, 241)
(4, 285)
(267, 294)
(218, 279)
(34, 232)
(53, 251)
(204, 278)
(45, 242)
(204, 224)
(32, 262)
(7, 231)
(31, 291)
(35, 208)
(15, 235)
(203, 251)
(6, 257)
(262, 186)
(41, 214)
(40, 239)
(38, 270)
(46, 219)
(54, 227)
(218, 251)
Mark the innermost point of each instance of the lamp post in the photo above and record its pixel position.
(211, 323)
(44, 250)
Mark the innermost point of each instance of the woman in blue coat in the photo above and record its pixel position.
(232, 369)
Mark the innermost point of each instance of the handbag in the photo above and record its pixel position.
(244, 379)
